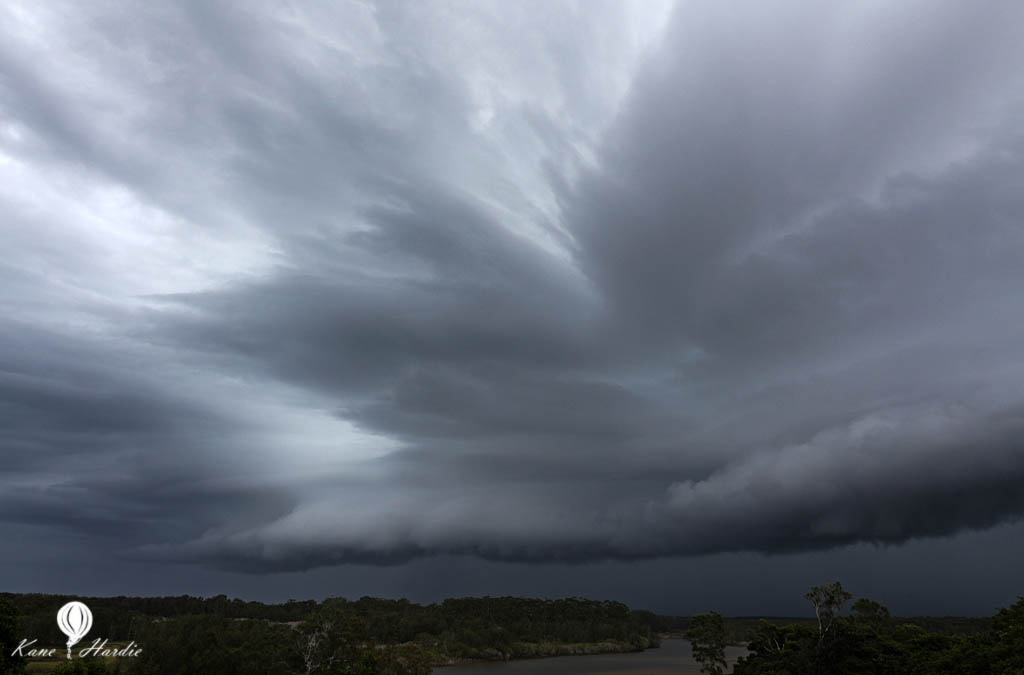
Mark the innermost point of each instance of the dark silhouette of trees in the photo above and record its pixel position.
(706, 634)
(872, 641)
(828, 601)
(9, 638)
(91, 666)
(374, 636)
(338, 636)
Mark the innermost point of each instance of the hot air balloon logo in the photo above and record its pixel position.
(74, 620)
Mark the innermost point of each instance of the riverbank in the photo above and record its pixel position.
(538, 650)
(673, 657)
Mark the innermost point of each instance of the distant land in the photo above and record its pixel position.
(186, 634)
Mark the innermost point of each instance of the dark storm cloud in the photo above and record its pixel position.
(368, 296)
(91, 447)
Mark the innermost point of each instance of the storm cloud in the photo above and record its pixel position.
(527, 282)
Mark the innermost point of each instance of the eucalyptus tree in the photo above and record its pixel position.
(706, 634)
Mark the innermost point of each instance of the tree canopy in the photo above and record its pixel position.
(706, 634)
(870, 640)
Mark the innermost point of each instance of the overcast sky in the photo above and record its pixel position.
(691, 306)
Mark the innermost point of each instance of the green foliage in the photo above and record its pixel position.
(828, 601)
(1007, 639)
(738, 629)
(115, 617)
(779, 650)
(872, 641)
(9, 638)
(210, 644)
(338, 636)
(89, 666)
(870, 612)
(372, 636)
(334, 640)
(706, 634)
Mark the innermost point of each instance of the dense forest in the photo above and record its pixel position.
(378, 636)
(370, 635)
(867, 640)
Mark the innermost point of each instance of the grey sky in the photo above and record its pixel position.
(335, 297)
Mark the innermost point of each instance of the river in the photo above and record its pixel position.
(672, 657)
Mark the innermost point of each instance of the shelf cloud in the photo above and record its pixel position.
(290, 288)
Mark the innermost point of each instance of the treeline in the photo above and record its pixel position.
(118, 617)
(867, 640)
(370, 635)
(738, 629)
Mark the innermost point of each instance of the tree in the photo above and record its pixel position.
(870, 613)
(828, 601)
(90, 666)
(779, 650)
(9, 663)
(706, 634)
(1007, 652)
(333, 640)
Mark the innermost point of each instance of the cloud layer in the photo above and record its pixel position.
(296, 288)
